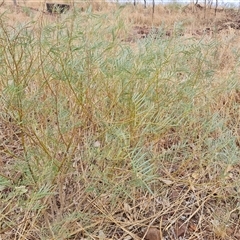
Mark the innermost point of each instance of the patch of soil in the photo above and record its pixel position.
(228, 23)
(141, 32)
(231, 20)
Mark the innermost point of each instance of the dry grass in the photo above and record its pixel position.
(117, 125)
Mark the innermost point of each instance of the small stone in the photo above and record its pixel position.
(97, 144)
(153, 234)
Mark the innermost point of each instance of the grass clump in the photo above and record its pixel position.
(101, 138)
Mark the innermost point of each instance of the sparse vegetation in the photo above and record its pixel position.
(118, 127)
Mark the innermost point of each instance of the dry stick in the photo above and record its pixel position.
(38, 141)
(216, 8)
(199, 222)
(153, 9)
(205, 8)
(160, 228)
(84, 228)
